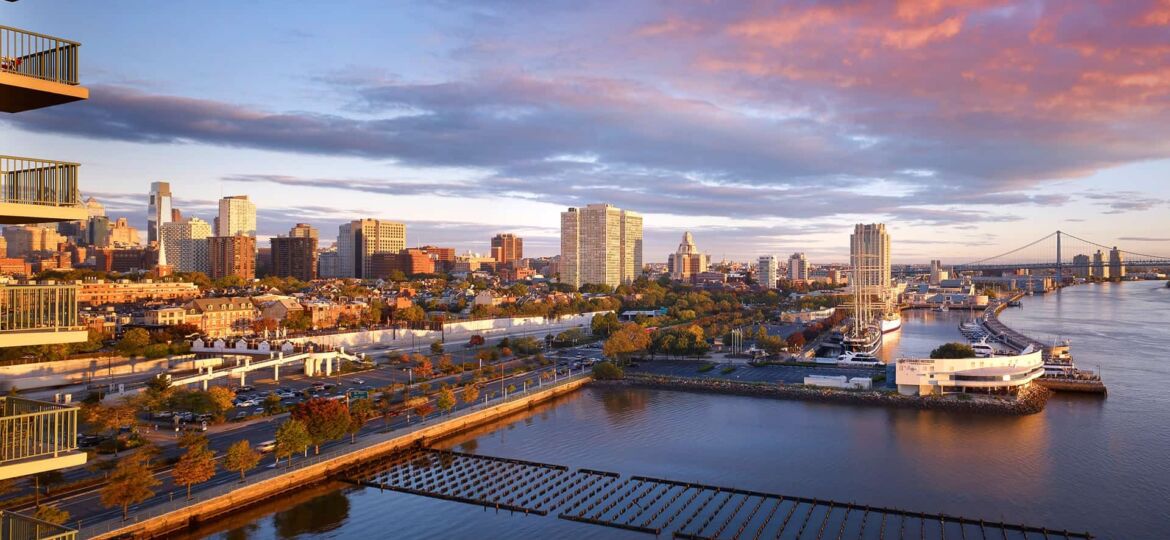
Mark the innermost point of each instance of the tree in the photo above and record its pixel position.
(272, 405)
(410, 314)
(291, 437)
(157, 393)
(196, 466)
(628, 339)
(445, 364)
(603, 371)
(130, 483)
(446, 399)
(221, 399)
(241, 458)
(133, 342)
(475, 341)
(437, 347)
(324, 419)
(52, 514)
(111, 418)
(605, 324)
(470, 393)
(953, 350)
(47, 479)
(360, 411)
(423, 409)
(796, 341)
(423, 368)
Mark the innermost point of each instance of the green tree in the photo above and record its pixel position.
(133, 342)
(241, 458)
(607, 371)
(291, 437)
(130, 483)
(953, 350)
(437, 347)
(605, 324)
(325, 419)
(446, 399)
(196, 466)
(360, 412)
(272, 405)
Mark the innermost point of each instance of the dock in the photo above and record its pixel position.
(659, 506)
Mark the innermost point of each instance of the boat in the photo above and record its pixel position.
(983, 349)
(891, 321)
(867, 340)
(942, 309)
(853, 359)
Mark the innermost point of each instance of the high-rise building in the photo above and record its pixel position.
(407, 261)
(158, 209)
(231, 256)
(1082, 267)
(768, 270)
(184, 244)
(798, 267)
(123, 235)
(507, 248)
(94, 208)
(237, 215)
(359, 239)
(328, 265)
(26, 239)
(600, 244)
(444, 257)
(98, 231)
(937, 274)
(1100, 267)
(1116, 264)
(869, 254)
(295, 255)
(686, 261)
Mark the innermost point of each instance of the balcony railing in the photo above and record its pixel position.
(30, 308)
(35, 429)
(37, 55)
(38, 181)
(18, 527)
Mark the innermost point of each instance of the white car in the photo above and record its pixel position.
(266, 447)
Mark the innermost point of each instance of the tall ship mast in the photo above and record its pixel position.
(869, 277)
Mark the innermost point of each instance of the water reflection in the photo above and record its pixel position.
(321, 514)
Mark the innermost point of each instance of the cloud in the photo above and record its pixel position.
(1143, 239)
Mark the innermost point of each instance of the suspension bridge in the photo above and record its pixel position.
(1065, 253)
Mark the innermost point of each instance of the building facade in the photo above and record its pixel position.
(158, 210)
(686, 261)
(869, 254)
(22, 240)
(231, 256)
(1100, 266)
(102, 292)
(768, 269)
(222, 317)
(185, 244)
(237, 216)
(359, 239)
(507, 248)
(990, 375)
(600, 244)
(1082, 267)
(407, 261)
(798, 269)
(1116, 264)
(295, 255)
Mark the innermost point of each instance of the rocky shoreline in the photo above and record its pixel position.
(1030, 401)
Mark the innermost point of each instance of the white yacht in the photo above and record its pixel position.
(983, 349)
(891, 321)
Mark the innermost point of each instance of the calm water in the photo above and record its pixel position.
(1083, 464)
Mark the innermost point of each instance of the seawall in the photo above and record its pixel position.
(1032, 399)
(311, 471)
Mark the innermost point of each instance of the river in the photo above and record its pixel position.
(1086, 463)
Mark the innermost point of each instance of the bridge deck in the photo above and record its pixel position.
(656, 506)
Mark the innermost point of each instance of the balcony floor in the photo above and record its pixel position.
(25, 467)
(17, 213)
(30, 338)
(19, 93)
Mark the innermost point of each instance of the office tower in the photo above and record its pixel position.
(869, 254)
(93, 208)
(407, 261)
(936, 272)
(328, 265)
(444, 257)
(797, 267)
(295, 255)
(231, 256)
(158, 209)
(1116, 263)
(237, 215)
(176, 215)
(507, 248)
(600, 244)
(184, 244)
(98, 231)
(686, 261)
(1082, 267)
(768, 269)
(1100, 267)
(359, 239)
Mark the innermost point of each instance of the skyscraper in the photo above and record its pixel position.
(798, 267)
(295, 255)
(184, 244)
(1100, 267)
(869, 253)
(768, 269)
(359, 239)
(1116, 263)
(158, 209)
(686, 261)
(1081, 266)
(507, 247)
(600, 244)
(232, 256)
(237, 215)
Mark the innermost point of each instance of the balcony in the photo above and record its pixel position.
(18, 527)
(36, 436)
(39, 315)
(37, 71)
(39, 191)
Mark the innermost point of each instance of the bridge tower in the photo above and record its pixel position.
(1059, 264)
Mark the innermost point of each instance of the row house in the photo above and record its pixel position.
(222, 317)
(123, 291)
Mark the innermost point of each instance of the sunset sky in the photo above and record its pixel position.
(970, 127)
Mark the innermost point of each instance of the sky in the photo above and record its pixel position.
(969, 127)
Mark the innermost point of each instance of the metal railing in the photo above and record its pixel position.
(33, 308)
(38, 181)
(38, 55)
(19, 527)
(33, 429)
(163, 507)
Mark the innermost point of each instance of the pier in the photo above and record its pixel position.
(658, 506)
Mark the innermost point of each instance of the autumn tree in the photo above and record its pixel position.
(52, 514)
(423, 368)
(628, 339)
(445, 364)
(470, 393)
(424, 409)
(360, 411)
(130, 483)
(221, 399)
(291, 437)
(111, 418)
(446, 399)
(272, 405)
(324, 419)
(241, 458)
(437, 347)
(196, 466)
(133, 342)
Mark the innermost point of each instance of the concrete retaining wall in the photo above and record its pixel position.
(452, 331)
(252, 493)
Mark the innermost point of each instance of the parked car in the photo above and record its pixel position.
(266, 447)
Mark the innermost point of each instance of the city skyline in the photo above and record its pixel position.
(720, 132)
